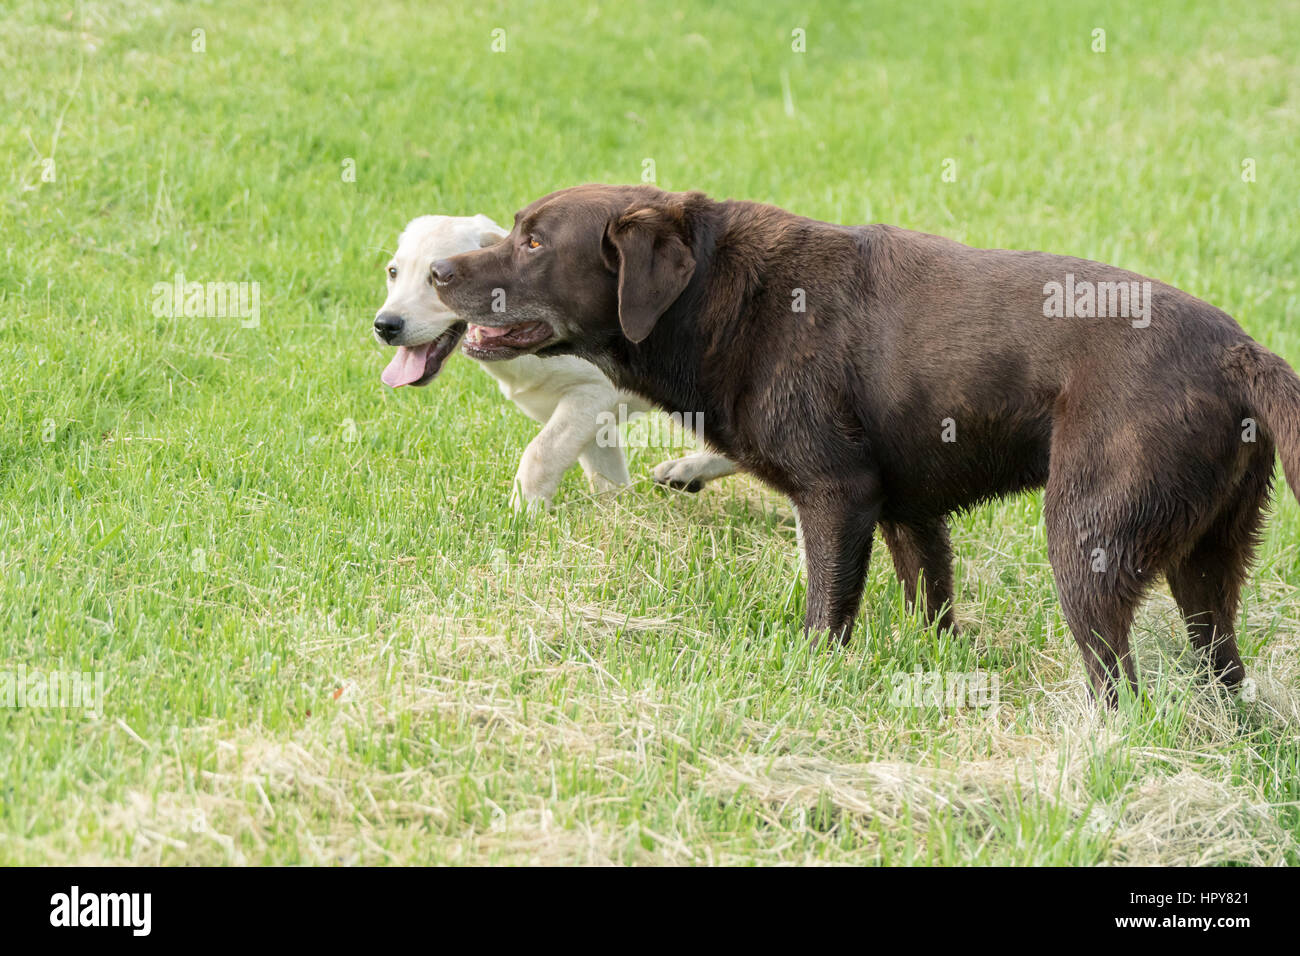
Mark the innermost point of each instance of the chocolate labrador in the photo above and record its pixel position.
(879, 376)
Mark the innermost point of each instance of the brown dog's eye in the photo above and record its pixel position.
(533, 243)
(392, 272)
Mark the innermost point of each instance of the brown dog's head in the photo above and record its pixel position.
(579, 266)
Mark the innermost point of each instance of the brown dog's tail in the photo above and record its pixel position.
(1271, 389)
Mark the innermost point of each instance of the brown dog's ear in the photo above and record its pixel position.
(654, 265)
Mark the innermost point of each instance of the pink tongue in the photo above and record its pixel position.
(407, 365)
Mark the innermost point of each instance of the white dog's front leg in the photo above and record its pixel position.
(568, 432)
(605, 465)
(694, 471)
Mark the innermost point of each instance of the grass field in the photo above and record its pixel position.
(325, 637)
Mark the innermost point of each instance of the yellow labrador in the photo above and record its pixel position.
(569, 396)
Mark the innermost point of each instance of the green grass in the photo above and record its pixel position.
(326, 650)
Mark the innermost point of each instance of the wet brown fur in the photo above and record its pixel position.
(1139, 435)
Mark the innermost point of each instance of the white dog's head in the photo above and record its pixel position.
(412, 317)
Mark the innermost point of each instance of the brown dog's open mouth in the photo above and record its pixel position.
(419, 364)
(488, 343)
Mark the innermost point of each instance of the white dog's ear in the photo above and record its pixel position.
(490, 233)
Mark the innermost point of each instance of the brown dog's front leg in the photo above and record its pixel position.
(922, 553)
(837, 528)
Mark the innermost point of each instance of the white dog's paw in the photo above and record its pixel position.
(602, 486)
(520, 504)
(530, 495)
(688, 474)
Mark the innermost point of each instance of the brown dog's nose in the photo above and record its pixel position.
(443, 271)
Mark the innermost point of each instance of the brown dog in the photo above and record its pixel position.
(881, 376)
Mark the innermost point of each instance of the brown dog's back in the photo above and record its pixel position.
(885, 377)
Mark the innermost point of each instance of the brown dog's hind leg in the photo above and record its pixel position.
(921, 551)
(837, 526)
(1101, 563)
(1100, 616)
(1207, 581)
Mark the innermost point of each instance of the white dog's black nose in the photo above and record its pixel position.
(443, 271)
(388, 325)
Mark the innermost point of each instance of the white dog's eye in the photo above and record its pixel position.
(392, 272)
